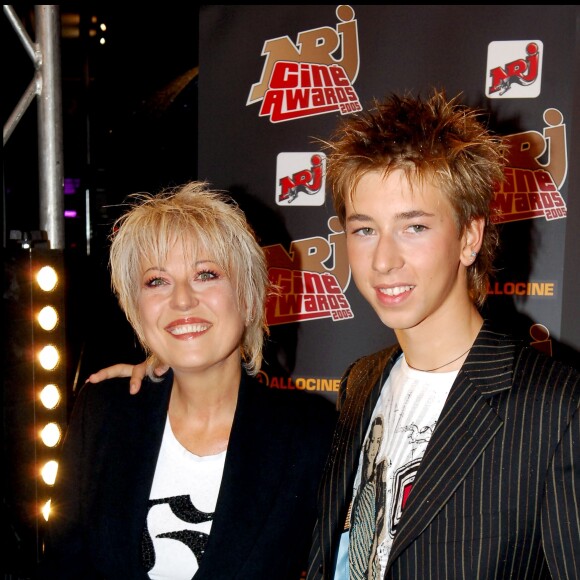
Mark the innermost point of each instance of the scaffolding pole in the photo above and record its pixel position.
(46, 86)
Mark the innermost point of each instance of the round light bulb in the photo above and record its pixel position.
(49, 472)
(50, 396)
(47, 318)
(48, 357)
(50, 435)
(47, 278)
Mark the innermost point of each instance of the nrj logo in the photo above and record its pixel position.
(312, 276)
(514, 69)
(531, 189)
(300, 179)
(303, 79)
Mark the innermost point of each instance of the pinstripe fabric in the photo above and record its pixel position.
(361, 535)
(497, 493)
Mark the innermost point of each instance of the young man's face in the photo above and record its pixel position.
(406, 255)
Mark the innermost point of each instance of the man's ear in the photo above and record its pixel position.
(472, 239)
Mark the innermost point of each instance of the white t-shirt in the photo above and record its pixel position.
(403, 420)
(181, 507)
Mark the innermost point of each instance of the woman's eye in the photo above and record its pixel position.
(206, 275)
(153, 282)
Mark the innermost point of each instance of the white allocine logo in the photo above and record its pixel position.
(300, 179)
(514, 69)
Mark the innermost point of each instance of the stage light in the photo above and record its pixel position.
(35, 379)
(49, 471)
(46, 510)
(49, 369)
(50, 396)
(47, 318)
(51, 434)
(47, 278)
(49, 357)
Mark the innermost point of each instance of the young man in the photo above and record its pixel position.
(481, 434)
(475, 471)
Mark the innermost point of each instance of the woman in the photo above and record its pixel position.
(205, 472)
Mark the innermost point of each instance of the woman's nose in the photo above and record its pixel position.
(184, 296)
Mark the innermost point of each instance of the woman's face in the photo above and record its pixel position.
(189, 312)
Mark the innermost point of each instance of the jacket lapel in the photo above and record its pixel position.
(253, 465)
(132, 465)
(466, 426)
(358, 397)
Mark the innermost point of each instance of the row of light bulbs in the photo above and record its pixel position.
(49, 357)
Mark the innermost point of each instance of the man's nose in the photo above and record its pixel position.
(387, 255)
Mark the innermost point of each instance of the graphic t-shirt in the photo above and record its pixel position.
(403, 420)
(181, 508)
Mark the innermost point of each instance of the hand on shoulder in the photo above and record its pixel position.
(135, 372)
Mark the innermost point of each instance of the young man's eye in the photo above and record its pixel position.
(362, 231)
(417, 228)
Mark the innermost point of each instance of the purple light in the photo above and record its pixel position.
(71, 185)
(70, 213)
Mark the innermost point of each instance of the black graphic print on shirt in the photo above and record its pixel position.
(182, 507)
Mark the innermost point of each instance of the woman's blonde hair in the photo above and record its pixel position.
(202, 218)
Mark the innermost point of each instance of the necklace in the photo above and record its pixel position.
(437, 368)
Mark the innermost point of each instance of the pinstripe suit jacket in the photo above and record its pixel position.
(497, 493)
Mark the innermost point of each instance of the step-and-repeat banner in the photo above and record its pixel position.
(273, 79)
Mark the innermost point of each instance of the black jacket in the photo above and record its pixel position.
(265, 511)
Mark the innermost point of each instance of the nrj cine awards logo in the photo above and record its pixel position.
(305, 78)
(536, 169)
(312, 275)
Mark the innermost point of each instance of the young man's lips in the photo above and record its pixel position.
(395, 291)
